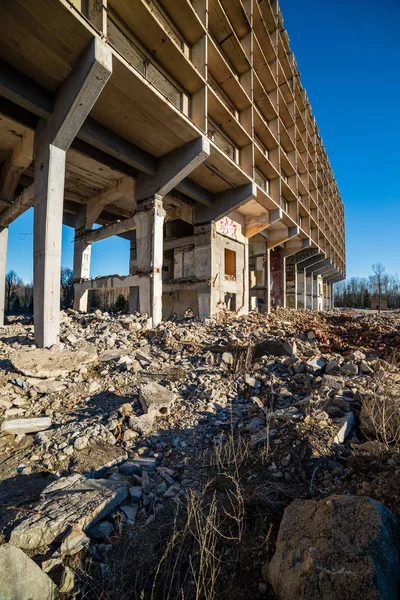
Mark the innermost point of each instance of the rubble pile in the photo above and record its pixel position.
(119, 418)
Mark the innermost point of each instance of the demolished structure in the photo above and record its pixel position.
(181, 126)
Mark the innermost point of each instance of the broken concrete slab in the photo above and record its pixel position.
(155, 399)
(46, 386)
(43, 363)
(21, 578)
(71, 501)
(18, 426)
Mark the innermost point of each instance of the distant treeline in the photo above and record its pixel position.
(358, 292)
(19, 295)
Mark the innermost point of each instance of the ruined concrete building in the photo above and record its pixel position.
(180, 125)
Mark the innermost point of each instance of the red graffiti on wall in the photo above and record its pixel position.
(228, 227)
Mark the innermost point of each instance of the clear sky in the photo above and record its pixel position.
(348, 54)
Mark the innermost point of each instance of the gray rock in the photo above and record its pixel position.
(331, 365)
(346, 424)
(26, 425)
(330, 381)
(349, 369)
(136, 493)
(227, 358)
(315, 366)
(81, 443)
(357, 356)
(135, 466)
(101, 531)
(21, 578)
(130, 511)
(365, 368)
(275, 348)
(339, 547)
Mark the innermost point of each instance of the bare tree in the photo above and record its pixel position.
(12, 284)
(67, 288)
(379, 274)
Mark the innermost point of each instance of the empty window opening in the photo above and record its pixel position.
(230, 264)
(230, 301)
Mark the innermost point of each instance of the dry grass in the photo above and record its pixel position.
(380, 415)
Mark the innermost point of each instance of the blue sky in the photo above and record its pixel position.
(348, 53)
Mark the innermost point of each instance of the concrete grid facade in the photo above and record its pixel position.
(181, 126)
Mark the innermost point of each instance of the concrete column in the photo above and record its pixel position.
(301, 290)
(149, 235)
(309, 291)
(290, 282)
(82, 255)
(203, 269)
(133, 291)
(48, 213)
(259, 276)
(315, 292)
(3, 266)
(277, 276)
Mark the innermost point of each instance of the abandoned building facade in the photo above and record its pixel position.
(180, 125)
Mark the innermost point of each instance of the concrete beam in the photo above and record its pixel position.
(225, 202)
(280, 236)
(74, 100)
(172, 169)
(306, 254)
(254, 224)
(195, 192)
(309, 262)
(35, 99)
(116, 228)
(21, 204)
(316, 267)
(78, 94)
(296, 245)
(13, 168)
(124, 188)
(108, 282)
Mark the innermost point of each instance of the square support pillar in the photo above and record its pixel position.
(204, 268)
(276, 264)
(3, 266)
(259, 276)
(149, 242)
(133, 291)
(49, 196)
(290, 283)
(301, 290)
(309, 291)
(82, 255)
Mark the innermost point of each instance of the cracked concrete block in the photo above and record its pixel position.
(155, 399)
(70, 501)
(21, 578)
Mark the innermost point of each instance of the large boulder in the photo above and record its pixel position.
(340, 547)
(21, 578)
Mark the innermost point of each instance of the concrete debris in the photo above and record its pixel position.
(21, 578)
(127, 436)
(338, 547)
(43, 363)
(72, 500)
(18, 426)
(155, 399)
